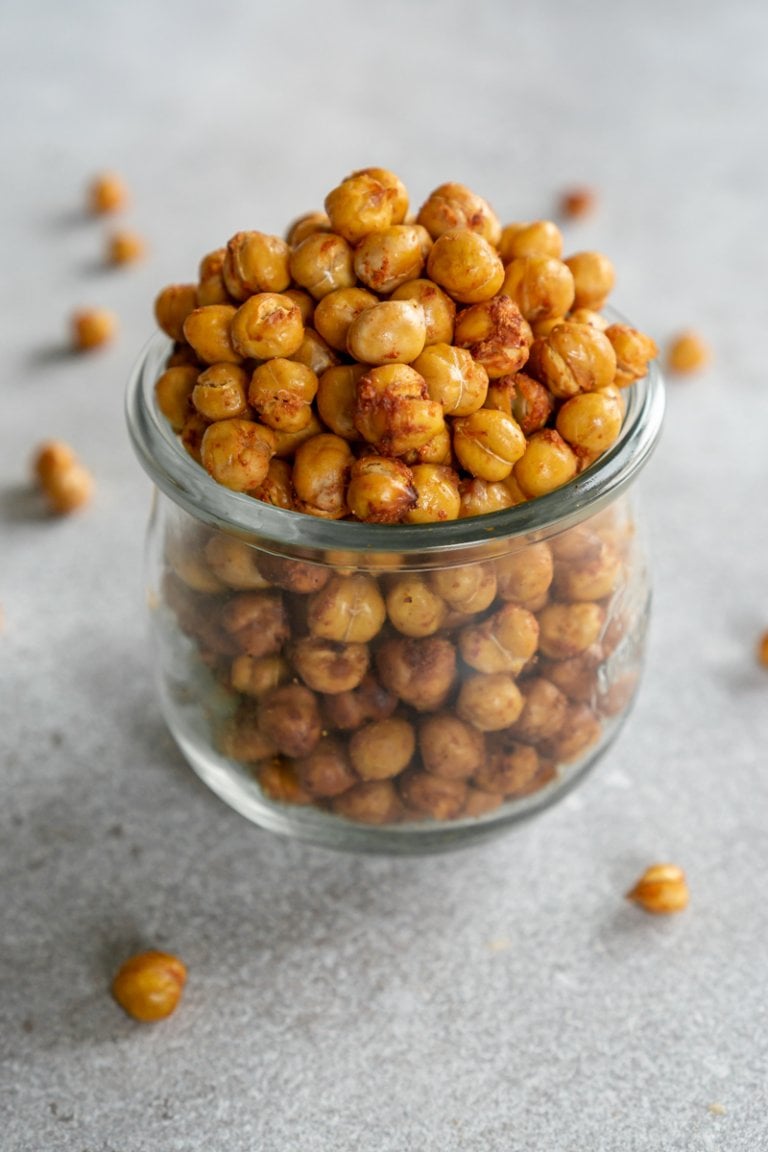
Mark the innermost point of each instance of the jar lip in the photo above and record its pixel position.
(185, 482)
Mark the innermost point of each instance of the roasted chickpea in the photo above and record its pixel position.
(183, 554)
(581, 729)
(593, 278)
(393, 410)
(266, 325)
(466, 266)
(212, 263)
(573, 358)
(326, 771)
(336, 311)
(255, 675)
(320, 472)
(240, 738)
(579, 543)
(277, 486)
(304, 303)
(192, 433)
(210, 331)
(524, 577)
(349, 710)
(282, 392)
(384, 260)
(508, 770)
(125, 247)
(65, 482)
(543, 714)
(437, 450)
(257, 622)
(172, 306)
(290, 718)
(470, 588)
(92, 327)
(481, 497)
(286, 443)
(237, 453)
(327, 666)
(439, 309)
(381, 490)
(505, 642)
(220, 392)
(183, 356)
(394, 186)
(374, 802)
(107, 193)
(279, 781)
(234, 562)
(212, 290)
(568, 629)
(577, 676)
(421, 671)
(255, 262)
(488, 443)
(588, 316)
(687, 352)
(453, 378)
(293, 575)
(592, 578)
(173, 392)
(589, 422)
(489, 702)
(336, 397)
(449, 747)
(414, 608)
(524, 399)
(437, 494)
(577, 202)
(322, 264)
(633, 351)
(305, 226)
(454, 206)
(149, 986)
(383, 748)
(539, 238)
(315, 353)
(362, 204)
(496, 335)
(438, 797)
(349, 609)
(389, 332)
(546, 464)
(541, 286)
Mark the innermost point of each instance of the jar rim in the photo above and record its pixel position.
(300, 535)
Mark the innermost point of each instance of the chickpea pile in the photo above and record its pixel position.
(386, 368)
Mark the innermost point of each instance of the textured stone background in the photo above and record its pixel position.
(505, 998)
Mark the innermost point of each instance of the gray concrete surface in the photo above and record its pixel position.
(504, 998)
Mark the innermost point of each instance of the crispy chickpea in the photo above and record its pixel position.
(336, 396)
(581, 729)
(435, 796)
(255, 675)
(439, 309)
(541, 286)
(292, 575)
(489, 702)
(466, 266)
(320, 473)
(210, 331)
(374, 802)
(211, 263)
(633, 351)
(303, 302)
(543, 714)
(289, 716)
(279, 781)
(282, 391)
(394, 186)
(384, 260)
(470, 588)
(322, 264)
(390, 332)
(349, 610)
(547, 463)
(239, 737)
(172, 306)
(421, 671)
(286, 443)
(277, 486)
(496, 335)
(573, 358)
(255, 262)
(336, 311)
(383, 748)
(393, 410)
(524, 577)
(326, 771)
(454, 206)
(437, 450)
(568, 629)
(453, 379)
(481, 497)
(505, 642)
(183, 356)
(173, 392)
(107, 193)
(125, 247)
(577, 676)
(212, 290)
(593, 278)
(192, 433)
(508, 770)
(362, 204)
(315, 353)
(256, 621)
(183, 554)
(437, 494)
(328, 666)
(539, 238)
(449, 747)
(65, 482)
(588, 316)
(687, 352)
(149, 985)
(524, 399)
(220, 392)
(488, 443)
(306, 225)
(349, 710)
(381, 490)
(592, 578)
(234, 562)
(266, 325)
(577, 202)
(581, 542)
(237, 453)
(589, 422)
(414, 608)
(92, 327)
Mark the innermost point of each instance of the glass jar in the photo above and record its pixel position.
(398, 688)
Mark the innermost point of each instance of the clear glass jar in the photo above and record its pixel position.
(401, 688)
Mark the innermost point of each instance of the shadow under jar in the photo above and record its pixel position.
(396, 688)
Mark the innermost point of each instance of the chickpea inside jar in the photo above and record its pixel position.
(397, 583)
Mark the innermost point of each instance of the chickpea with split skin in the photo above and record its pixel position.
(496, 334)
(393, 410)
(320, 475)
(323, 263)
(453, 378)
(381, 490)
(466, 266)
(439, 309)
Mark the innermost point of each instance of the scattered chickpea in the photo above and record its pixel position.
(149, 985)
(662, 890)
(107, 193)
(687, 352)
(578, 202)
(93, 327)
(125, 247)
(65, 482)
(762, 649)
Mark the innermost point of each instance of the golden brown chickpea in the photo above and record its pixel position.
(336, 396)
(349, 610)
(539, 238)
(382, 748)
(381, 490)
(280, 782)
(257, 622)
(287, 442)
(183, 356)
(149, 985)
(195, 428)
(524, 577)
(65, 483)
(593, 278)
(524, 399)
(183, 554)
(505, 642)
(509, 769)
(210, 331)
(336, 311)
(581, 542)
(466, 266)
(315, 353)
(255, 675)
(237, 453)
(289, 716)
(543, 714)
(394, 186)
(453, 378)
(374, 802)
(107, 193)
(305, 226)
(266, 325)
(454, 206)
(92, 327)
(489, 702)
(546, 464)
(320, 473)
(449, 747)
(282, 391)
(328, 666)
(326, 771)
(304, 303)
(439, 309)
(212, 263)
(414, 608)
(420, 671)
(592, 578)
(322, 264)
(481, 497)
(590, 422)
(633, 351)
(588, 316)
(573, 358)
(362, 204)
(470, 588)
(437, 494)
(568, 629)
(393, 410)
(541, 287)
(212, 290)
(292, 575)
(240, 739)
(277, 486)
(687, 352)
(220, 392)
(496, 335)
(581, 729)
(437, 450)
(255, 262)
(488, 443)
(577, 202)
(234, 562)
(384, 260)
(349, 710)
(172, 306)
(390, 332)
(173, 392)
(125, 247)
(577, 676)
(434, 796)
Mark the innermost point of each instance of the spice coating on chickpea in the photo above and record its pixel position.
(148, 986)
(255, 262)
(320, 473)
(362, 204)
(237, 453)
(453, 378)
(454, 206)
(93, 327)
(349, 609)
(281, 391)
(393, 331)
(381, 490)
(496, 335)
(466, 266)
(172, 306)
(439, 309)
(393, 410)
(266, 325)
(220, 392)
(542, 287)
(384, 260)
(210, 332)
